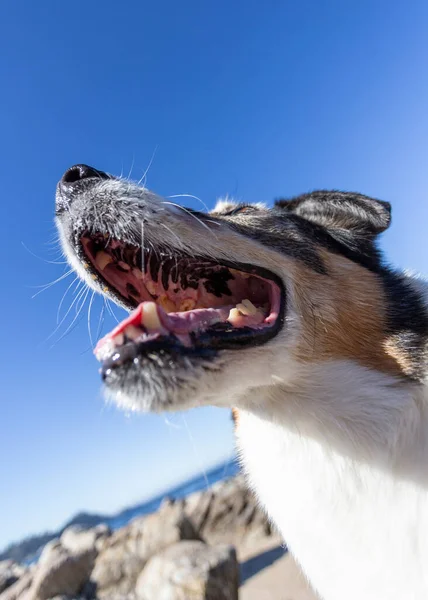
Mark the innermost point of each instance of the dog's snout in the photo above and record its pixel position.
(80, 172)
(74, 180)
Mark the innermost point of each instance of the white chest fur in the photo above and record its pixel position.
(358, 528)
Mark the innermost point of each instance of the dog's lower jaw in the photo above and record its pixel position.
(350, 498)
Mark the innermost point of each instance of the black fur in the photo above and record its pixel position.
(346, 224)
(341, 210)
(407, 320)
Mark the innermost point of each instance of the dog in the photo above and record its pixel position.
(289, 316)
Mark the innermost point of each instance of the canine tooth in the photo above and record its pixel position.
(233, 315)
(240, 273)
(246, 307)
(137, 274)
(118, 339)
(103, 259)
(249, 304)
(167, 304)
(151, 287)
(149, 317)
(124, 265)
(132, 332)
(187, 304)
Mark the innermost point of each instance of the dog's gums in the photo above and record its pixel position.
(180, 300)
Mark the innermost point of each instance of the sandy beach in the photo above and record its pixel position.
(269, 572)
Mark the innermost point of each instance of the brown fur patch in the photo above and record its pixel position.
(344, 317)
(235, 416)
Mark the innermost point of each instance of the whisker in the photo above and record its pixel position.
(132, 166)
(74, 319)
(143, 267)
(143, 178)
(214, 222)
(190, 196)
(100, 321)
(191, 214)
(51, 262)
(109, 308)
(171, 232)
(46, 286)
(78, 306)
(89, 318)
(192, 441)
(64, 296)
(170, 424)
(79, 295)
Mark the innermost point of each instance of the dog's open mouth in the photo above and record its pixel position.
(180, 301)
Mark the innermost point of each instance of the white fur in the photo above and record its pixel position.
(340, 461)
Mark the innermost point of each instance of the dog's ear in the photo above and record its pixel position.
(341, 210)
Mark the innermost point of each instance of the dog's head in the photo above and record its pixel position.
(235, 299)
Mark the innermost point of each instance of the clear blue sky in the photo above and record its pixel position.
(256, 99)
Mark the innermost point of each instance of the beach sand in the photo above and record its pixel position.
(268, 572)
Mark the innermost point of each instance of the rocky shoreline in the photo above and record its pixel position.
(187, 550)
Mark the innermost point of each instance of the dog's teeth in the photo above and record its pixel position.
(151, 287)
(149, 317)
(124, 265)
(132, 332)
(167, 304)
(246, 307)
(118, 339)
(137, 273)
(241, 274)
(242, 309)
(105, 350)
(103, 259)
(186, 305)
(234, 315)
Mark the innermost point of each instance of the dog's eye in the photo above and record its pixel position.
(240, 209)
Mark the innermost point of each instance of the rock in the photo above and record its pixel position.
(64, 598)
(226, 512)
(190, 571)
(19, 589)
(61, 572)
(50, 550)
(126, 552)
(77, 539)
(10, 572)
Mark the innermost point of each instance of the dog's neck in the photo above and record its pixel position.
(338, 457)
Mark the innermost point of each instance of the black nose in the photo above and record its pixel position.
(68, 187)
(80, 172)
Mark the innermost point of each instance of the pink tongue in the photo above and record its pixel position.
(178, 323)
(192, 320)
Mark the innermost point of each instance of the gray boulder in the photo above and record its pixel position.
(60, 572)
(77, 539)
(190, 571)
(19, 589)
(125, 553)
(226, 513)
(10, 572)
